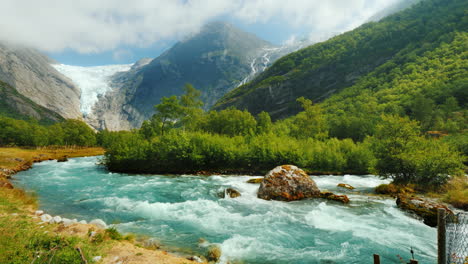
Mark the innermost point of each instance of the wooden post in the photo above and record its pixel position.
(376, 259)
(413, 261)
(441, 237)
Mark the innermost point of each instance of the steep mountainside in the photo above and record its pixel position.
(215, 61)
(324, 69)
(31, 73)
(15, 105)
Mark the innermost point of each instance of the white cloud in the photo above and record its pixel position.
(89, 26)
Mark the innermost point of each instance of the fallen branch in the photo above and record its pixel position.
(82, 256)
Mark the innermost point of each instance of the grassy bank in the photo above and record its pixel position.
(24, 239)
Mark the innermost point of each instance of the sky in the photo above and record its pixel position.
(102, 32)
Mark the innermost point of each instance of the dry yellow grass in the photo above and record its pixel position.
(11, 158)
(457, 192)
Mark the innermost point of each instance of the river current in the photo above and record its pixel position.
(179, 210)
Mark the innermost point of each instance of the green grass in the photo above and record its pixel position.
(22, 240)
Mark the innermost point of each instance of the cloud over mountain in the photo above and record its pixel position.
(89, 26)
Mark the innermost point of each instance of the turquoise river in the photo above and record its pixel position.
(179, 210)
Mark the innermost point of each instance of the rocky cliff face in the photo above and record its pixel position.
(15, 105)
(32, 75)
(215, 61)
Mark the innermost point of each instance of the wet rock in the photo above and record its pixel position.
(63, 159)
(68, 222)
(255, 180)
(334, 197)
(233, 193)
(287, 183)
(214, 253)
(46, 218)
(98, 223)
(423, 208)
(346, 186)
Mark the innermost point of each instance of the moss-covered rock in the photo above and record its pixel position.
(255, 180)
(394, 190)
(214, 253)
(335, 197)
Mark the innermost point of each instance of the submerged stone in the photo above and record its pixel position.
(98, 223)
(287, 183)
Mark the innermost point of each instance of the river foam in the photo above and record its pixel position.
(179, 210)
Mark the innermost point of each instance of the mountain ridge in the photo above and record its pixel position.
(323, 69)
(31, 74)
(214, 60)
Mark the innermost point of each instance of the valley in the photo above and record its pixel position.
(237, 137)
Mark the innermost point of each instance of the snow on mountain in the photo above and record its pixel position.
(270, 55)
(92, 81)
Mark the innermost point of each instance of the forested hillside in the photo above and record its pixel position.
(427, 40)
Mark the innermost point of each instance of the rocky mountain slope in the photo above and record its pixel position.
(15, 105)
(215, 61)
(326, 68)
(32, 75)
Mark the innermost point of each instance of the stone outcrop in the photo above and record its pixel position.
(287, 183)
(32, 75)
(423, 208)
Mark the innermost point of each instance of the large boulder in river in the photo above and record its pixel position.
(287, 183)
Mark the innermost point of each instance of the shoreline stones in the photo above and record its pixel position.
(46, 218)
(99, 223)
(63, 159)
(287, 183)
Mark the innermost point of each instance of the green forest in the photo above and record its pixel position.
(182, 138)
(420, 51)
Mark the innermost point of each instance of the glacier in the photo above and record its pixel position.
(93, 81)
